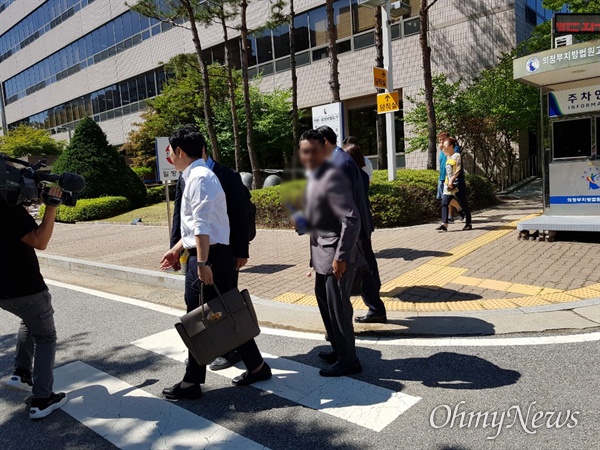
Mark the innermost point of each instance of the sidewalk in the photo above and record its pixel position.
(487, 271)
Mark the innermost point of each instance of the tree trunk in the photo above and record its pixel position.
(334, 76)
(380, 123)
(208, 112)
(295, 117)
(231, 84)
(254, 164)
(428, 81)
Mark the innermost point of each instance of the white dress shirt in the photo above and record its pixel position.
(368, 168)
(203, 206)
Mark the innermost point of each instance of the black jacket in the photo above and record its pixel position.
(237, 197)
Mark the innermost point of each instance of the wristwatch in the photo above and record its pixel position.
(202, 264)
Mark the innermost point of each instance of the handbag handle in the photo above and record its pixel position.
(225, 306)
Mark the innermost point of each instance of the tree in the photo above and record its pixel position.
(220, 12)
(428, 81)
(279, 18)
(105, 171)
(257, 178)
(379, 62)
(181, 102)
(176, 12)
(334, 75)
(27, 140)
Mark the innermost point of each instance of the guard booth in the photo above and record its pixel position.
(569, 82)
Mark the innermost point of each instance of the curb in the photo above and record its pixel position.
(177, 282)
(149, 277)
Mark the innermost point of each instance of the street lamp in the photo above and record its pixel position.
(399, 9)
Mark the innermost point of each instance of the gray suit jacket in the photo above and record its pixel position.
(333, 218)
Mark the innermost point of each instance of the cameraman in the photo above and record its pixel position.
(24, 293)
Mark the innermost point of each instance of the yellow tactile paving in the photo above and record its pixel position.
(437, 273)
(584, 292)
(497, 303)
(494, 284)
(560, 297)
(524, 289)
(289, 297)
(467, 281)
(465, 305)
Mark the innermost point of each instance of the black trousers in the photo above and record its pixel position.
(222, 263)
(461, 196)
(370, 280)
(333, 298)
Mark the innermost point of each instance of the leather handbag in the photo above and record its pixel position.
(219, 326)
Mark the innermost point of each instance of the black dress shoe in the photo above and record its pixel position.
(371, 318)
(329, 357)
(248, 377)
(441, 228)
(339, 371)
(177, 392)
(226, 361)
(468, 227)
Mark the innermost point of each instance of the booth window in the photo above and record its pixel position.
(572, 138)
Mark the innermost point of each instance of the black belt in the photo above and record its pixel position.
(194, 252)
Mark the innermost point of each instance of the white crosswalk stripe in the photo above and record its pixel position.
(132, 419)
(355, 401)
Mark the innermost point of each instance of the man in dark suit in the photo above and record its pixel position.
(237, 198)
(369, 273)
(334, 225)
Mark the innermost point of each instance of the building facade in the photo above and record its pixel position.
(61, 60)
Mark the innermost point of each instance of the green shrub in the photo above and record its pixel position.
(156, 194)
(144, 173)
(92, 209)
(105, 171)
(408, 200)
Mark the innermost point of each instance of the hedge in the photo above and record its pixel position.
(408, 200)
(91, 209)
(156, 194)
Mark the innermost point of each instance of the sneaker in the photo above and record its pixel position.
(21, 380)
(42, 407)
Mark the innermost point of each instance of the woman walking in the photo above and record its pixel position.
(453, 187)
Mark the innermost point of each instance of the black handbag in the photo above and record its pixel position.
(218, 326)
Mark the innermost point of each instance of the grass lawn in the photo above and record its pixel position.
(155, 214)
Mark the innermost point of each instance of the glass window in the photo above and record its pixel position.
(141, 86)
(281, 41)
(127, 33)
(110, 34)
(363, 19)
(101, 101)
(252, 51)
(133, 94)
(218, 53)
(345, 46)
(411, 26)
(320, 53)
(264, 47)
(136, 23)
(103, 37)
(396, 31)
(283, 64)
(234, 48)
(124, 93)
(318, 26)
(161, 78)
(266, 69)
(119, 29)
(108, 98)
(150, 85)
(364, 40)
(343, 18)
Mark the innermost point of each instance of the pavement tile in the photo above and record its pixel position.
(524, 289)
(494, 284)
(472, 305)
(529, 301)
(498, 303)
(560, 297)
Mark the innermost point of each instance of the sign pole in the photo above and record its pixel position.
(390, 126)
(169, 217)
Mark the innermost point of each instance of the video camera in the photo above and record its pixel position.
(28, 185)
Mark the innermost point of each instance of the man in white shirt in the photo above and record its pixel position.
(205, 234)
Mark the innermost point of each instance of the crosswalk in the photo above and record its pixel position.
(133, 419)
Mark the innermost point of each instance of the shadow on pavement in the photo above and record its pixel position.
(432, 294)
(438, 326)
(266, 268)
(408, 254)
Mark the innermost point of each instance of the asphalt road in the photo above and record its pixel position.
(556, 378)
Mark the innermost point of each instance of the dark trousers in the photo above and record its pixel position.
(370, 281)
(333, 298)
(36, 339)
(222, 263)
(461, 196)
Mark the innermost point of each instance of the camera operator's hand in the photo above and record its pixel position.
(56, 193)
(170, 260)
